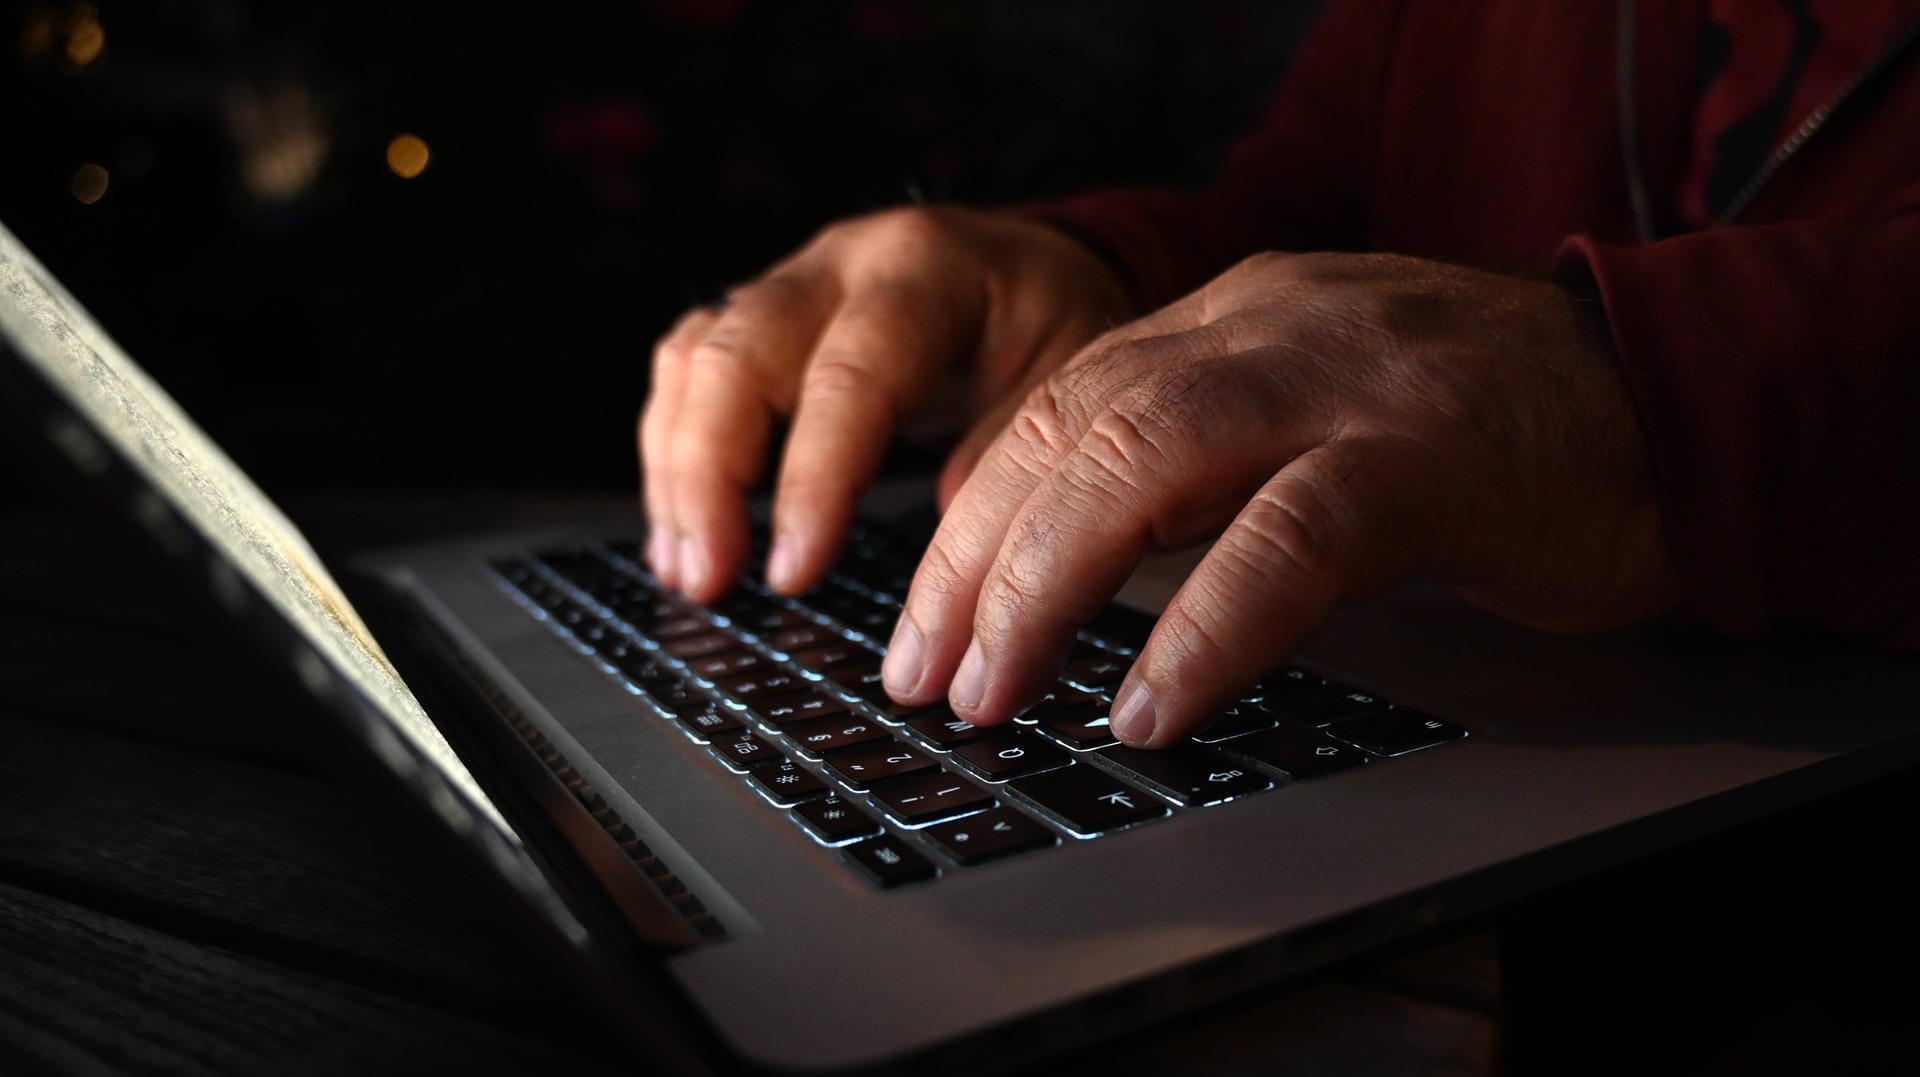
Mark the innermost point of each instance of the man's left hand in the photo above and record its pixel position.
(1349, 420)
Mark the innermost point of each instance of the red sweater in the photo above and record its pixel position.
(1775, 361)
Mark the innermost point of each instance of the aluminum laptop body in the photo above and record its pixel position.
(604, 824)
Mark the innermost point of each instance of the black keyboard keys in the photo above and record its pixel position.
(833, 819)
(677, 699)
(861, 681)
(989, 834)
(1189, 774)
(763, 683)
(1087, 800)
(1006, 753)
(716, 667)
(1396, 732)
(801, 636)
(1095, 670)
(889, 861)
(922, 798)
(710, 723)
(742, 752)
(1296, 752)
(860, 766)
(1234, 721)
(1080, 728)
(787, 710)
(944, 729)
(1312, 703)
(787, 782)
(702, 645)
(831, 656)
(821, 735)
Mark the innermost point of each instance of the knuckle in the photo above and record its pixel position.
(772, 290)
(1012, 591)
(1183, 640)
(1117, 454)
(939, 578)
(1266, 262)
(911, 228)
(719, 354)
(839, 375)
(1039, 430)
(1288, 528)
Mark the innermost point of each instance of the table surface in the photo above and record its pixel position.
(184, 889)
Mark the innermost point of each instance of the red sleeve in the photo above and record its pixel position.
(1777, 373)
(1302, 181)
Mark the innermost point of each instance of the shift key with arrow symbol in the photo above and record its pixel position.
(1189, 774)
(1296, 751)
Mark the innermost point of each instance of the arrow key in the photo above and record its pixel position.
(1296, 751)
(1081, 727)
(1088, 800)
(995, 833)
(1188, 774)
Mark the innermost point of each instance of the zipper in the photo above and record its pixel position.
(1636, 178)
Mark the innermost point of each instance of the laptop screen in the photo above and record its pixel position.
(114, 406)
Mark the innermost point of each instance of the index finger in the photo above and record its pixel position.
(878, 356)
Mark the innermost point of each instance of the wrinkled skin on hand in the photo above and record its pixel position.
(1341, 422)
(847, 337)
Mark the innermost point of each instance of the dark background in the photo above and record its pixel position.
(593, 169)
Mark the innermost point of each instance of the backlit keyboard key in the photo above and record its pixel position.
(889, 861)
(1189, 774)
(1297, 752)
(732, 664)
(711, 722)
(1080, 728)
(800, 707)
(1234, 721)
(832, 656)
(742, 752)
(990, 834)
(1007, 753)
(942, 729)
(821, 735)
(1088, 800)
(700, 646)
(1396, 732)
(763, 683)
(787, 782)
(921, 798)
(862, 765)
(833, 819)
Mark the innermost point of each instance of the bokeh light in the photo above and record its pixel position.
(89, 183)
(407, 155)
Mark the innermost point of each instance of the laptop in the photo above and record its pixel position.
(747, 857)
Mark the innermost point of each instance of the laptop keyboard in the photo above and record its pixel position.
(785, 695)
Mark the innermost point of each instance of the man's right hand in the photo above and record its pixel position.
(848, 336)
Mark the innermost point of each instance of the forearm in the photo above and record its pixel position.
(1776, 369)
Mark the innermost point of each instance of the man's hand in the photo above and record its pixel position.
(1350, 421)
(847, 336)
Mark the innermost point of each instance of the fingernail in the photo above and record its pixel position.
(970, 683)
(1133, 717)
(782, 561)
(691, 565)
(659, 552)
(906, 657)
